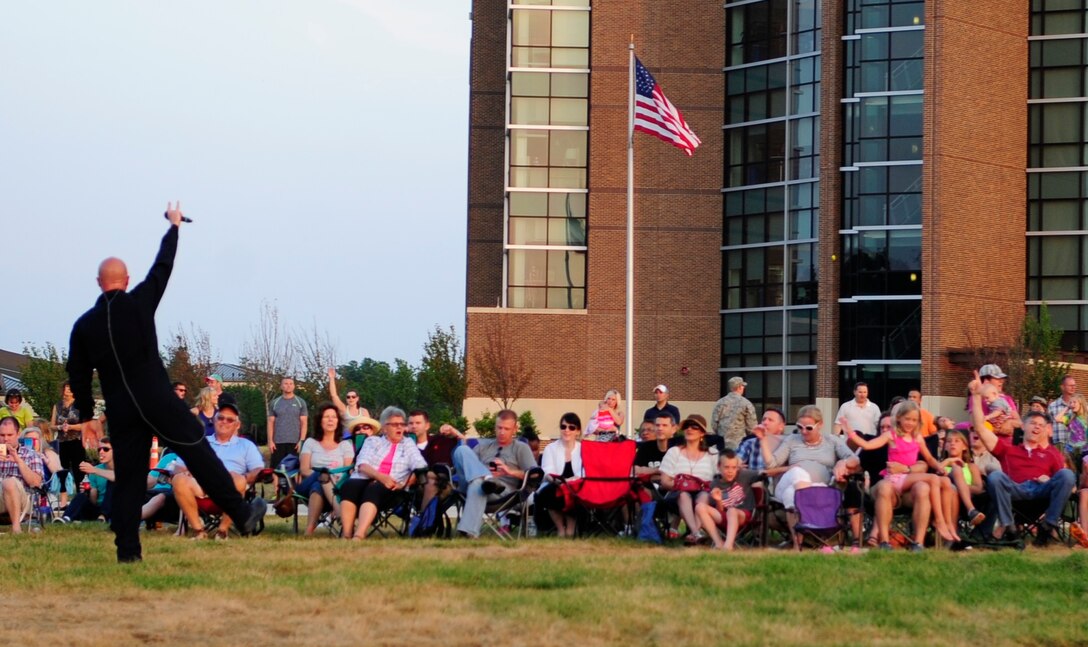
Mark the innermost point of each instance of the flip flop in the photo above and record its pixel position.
(1079, 534)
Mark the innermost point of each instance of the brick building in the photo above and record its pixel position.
(882, 184)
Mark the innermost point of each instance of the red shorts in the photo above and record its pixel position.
(746, 516)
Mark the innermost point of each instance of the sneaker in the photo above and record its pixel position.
(917, 548)
(254, 523)
(975, 517)
(827, 550)
(672, 533)
(884, 546)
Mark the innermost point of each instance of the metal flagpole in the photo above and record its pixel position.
(629, 373)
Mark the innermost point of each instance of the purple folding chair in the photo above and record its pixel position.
(818, 512)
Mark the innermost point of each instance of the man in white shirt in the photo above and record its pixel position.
(862, 413)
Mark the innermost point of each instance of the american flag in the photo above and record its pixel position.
(655, 114)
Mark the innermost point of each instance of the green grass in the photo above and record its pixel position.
(278, 588)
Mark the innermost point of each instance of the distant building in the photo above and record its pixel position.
(863, 206)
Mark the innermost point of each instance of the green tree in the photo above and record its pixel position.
(380, 385)
(43, 375)
(189, 358)
(441, 376)
(254, 415)
(485, 425)
(1035, 361)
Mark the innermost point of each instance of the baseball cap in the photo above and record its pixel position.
(214, 376)
(1041, 400)
(734, 382)
(662, 388)
(991, 370)
(227, 401)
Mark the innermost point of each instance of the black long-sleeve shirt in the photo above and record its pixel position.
(117, 336)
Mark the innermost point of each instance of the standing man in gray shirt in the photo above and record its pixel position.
(287, 417)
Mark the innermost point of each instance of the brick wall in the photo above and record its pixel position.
(678, 211)
(973, 250)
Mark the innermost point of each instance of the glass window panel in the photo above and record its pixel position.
(567, 178)
(906, 75)
(1060, 82)
(906, 14)
(1060, 185)
(1059, 289)
(906, 209)
(528, 177)
(905, 179)
(530, 57)
(532, 28)
(570, 85)
(1055, 254)
(526, 110)
(1060, 215)
(566, 231)
(569, 112)
(874, 76)
(572, 205)
(906, 116)
(529, 147)
(906, 44)
(566, 269)
(1060, 53)
(567, 298)
(528, 204)
(568, 148)
(874, 47)
(529, 84)
(570, 28)
(905, 250)
(528, 231)
(874, 117)
(570, 57)
(527, 297)
(528, 267)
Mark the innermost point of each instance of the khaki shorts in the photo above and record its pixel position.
(25, 501)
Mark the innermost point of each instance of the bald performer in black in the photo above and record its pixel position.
(117, 337)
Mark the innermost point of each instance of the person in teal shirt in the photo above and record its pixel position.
(94, 503)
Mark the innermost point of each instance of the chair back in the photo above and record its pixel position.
(818, 508)
(606, 469)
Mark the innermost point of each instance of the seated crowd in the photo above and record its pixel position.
(960, 480)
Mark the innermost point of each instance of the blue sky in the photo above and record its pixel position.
(320, 146)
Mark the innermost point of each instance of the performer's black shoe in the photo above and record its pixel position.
(129, 559)
(254, 522)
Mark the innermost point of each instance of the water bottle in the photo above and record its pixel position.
(85, 485)
(530, 528)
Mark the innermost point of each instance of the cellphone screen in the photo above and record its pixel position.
(27, 442)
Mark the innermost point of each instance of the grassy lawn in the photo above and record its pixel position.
(63, 585)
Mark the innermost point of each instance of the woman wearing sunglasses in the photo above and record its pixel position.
(348, 410)
(686, 471)
(561, 459)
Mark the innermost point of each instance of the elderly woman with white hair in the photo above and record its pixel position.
(384, 466)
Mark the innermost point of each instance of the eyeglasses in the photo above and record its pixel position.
(353, 397)
(105, 449)
(226, 419)
(807, 427)
(570, 427)
(395, 424)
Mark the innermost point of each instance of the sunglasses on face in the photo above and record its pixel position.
(226, 419)
(807, 427)
(180, 389)
(565, 427)
(105, 449)
(353, 397)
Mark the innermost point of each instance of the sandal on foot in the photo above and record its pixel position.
(975, 517)
(872, 542)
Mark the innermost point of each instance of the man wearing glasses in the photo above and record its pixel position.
(239, 455)
(20, 469)
(94, 503)
(181, 390)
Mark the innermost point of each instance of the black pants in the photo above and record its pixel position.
(81, 508)
(71, 453)
(169, 419)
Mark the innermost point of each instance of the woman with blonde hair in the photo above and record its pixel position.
(606, 421)
(206, 409)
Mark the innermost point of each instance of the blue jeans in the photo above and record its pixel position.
(1003, 490)
(473, 472)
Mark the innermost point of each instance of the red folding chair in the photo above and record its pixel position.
(606, 493)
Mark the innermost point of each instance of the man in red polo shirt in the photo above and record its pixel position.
(1032, 470)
